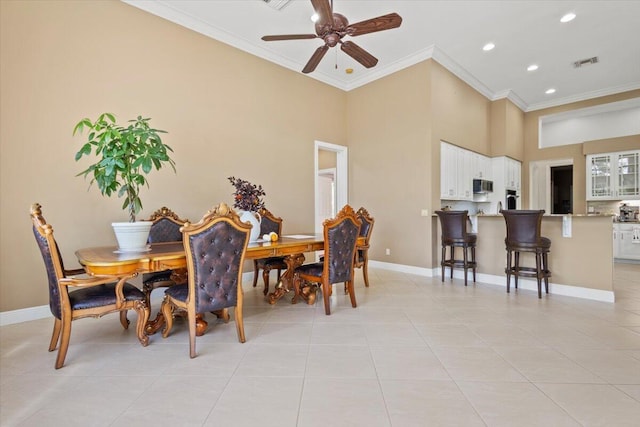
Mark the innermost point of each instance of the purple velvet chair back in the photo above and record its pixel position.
(217, 253)
(340, 241)
(54, 292)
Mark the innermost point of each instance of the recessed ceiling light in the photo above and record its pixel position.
(487, 47)
(315, 17)
(568, 17)
(532, 67)
(550, 91)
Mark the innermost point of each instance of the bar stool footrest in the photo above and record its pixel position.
(527, 272)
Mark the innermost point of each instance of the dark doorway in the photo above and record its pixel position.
(562, 189)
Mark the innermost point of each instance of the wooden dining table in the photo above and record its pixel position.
(107, 260)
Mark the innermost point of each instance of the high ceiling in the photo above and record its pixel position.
(452, 33)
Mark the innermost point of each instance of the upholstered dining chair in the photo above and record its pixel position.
(72, 298)
(165, 228)
(362, 250)
(268, 224)
(340, 238)
(215, 248)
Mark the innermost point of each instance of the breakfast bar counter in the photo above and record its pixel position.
(580, 260)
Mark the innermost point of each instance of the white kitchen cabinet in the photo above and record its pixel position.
(480, 166)
(448, 171)
(624, 246)
(506, 173)
(613, 176)
(465, 175)
(456, 179)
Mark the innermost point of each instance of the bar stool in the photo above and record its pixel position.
(523, 235)
(454, 234)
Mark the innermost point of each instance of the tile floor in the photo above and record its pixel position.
(415, 352)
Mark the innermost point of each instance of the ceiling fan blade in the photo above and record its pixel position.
(288, 37)
(323, 9)
(315, 59)
(381, 23)
(359, 54)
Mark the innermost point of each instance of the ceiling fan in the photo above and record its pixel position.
(332, 27)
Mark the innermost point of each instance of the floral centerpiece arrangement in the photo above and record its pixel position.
(247, 197)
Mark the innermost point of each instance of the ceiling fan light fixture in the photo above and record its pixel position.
(489, 46)
(315, 17)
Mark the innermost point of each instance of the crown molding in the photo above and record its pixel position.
(583, 97)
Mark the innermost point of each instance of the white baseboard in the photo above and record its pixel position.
(41, 312)
(409, 269)
(528, 284)
(24, 315)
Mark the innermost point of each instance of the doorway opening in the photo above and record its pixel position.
(331, 183)
(551, 185)
(562, 189)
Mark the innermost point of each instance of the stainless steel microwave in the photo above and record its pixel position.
(481, 186)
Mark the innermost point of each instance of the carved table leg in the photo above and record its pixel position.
(156, 324)
(286, 280)
(308, 292)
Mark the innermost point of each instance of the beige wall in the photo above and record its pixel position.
(577, 152)
(390, 162)
(507, 121)
(460, 115)
(227, 113)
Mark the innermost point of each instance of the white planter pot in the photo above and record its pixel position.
(132, 236)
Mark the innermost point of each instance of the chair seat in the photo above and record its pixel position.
(471, 239)
(102, 295)
(542, 245)
(313, 269)
(157, 276)
(272, 262)
(178, 292)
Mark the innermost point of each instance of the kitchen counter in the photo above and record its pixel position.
(581, 261)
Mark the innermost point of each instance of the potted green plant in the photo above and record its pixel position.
(126, 154)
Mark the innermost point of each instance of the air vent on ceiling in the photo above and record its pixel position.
(587, 61)
(277, 4)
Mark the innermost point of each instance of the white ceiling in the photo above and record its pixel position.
(450, 32)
